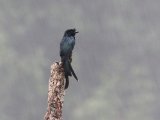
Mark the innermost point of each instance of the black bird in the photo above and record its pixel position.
(66, 47)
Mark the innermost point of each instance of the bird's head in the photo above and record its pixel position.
(70, 32)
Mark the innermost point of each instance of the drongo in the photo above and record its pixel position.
(66, 48)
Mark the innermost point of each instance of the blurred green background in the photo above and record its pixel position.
(116, 58)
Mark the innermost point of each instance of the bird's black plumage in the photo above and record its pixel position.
(66, 48)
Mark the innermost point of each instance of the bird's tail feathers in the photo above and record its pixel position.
(67, 82)
(67, 68)
(72, 71)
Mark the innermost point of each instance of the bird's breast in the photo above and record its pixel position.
(67, 44)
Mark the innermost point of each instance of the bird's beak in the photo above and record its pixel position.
(76, 32)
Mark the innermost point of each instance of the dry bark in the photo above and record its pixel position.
(55, 93)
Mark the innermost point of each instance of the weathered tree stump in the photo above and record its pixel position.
(56, 93)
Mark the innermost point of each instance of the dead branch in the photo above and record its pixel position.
(55, 93)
